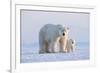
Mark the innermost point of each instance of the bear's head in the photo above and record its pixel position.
(62, 30)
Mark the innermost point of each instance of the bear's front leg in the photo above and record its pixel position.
(62, 49)
(63, 46)
(52, 47)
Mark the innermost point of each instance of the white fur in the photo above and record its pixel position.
(70, 45)
(51, 38)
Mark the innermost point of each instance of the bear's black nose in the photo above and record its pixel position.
(63, 34)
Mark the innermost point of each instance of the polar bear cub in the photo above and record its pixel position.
(70, 45)
(50, 36)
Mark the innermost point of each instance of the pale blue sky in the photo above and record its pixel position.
(32, 21)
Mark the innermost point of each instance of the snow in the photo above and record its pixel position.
(30, 54)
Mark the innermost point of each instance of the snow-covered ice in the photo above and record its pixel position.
(29, 54)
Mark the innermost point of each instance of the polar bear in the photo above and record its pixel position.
(52, 38)
(70, 45)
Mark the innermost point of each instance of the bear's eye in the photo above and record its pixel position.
(63, 34)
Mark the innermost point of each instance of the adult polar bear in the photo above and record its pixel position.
(52, 38)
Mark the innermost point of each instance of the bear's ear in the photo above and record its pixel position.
(67, 29)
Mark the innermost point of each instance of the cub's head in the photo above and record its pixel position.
(72, 42)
